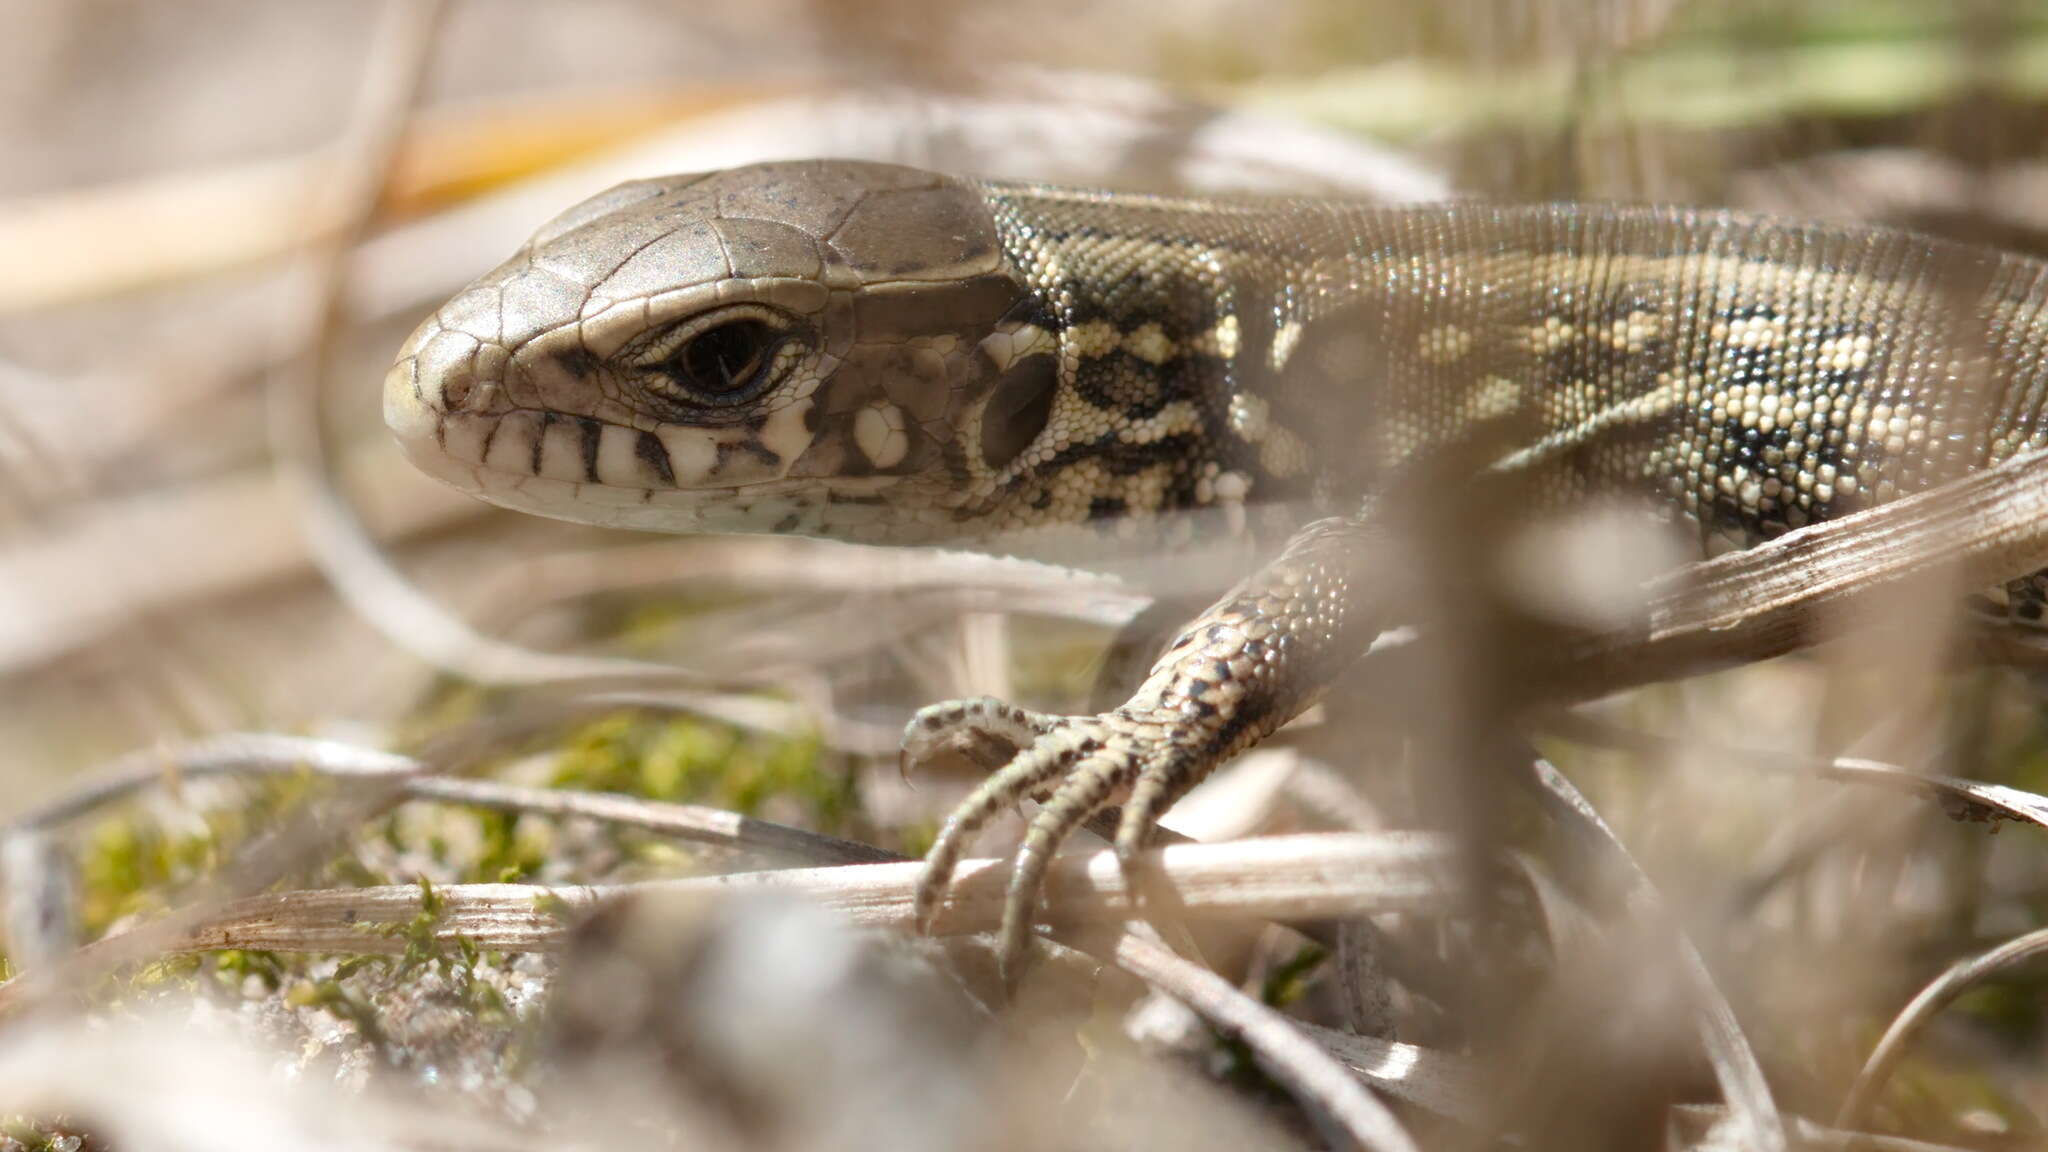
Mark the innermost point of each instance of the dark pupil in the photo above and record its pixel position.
(727, 358)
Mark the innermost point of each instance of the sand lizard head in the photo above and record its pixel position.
(833, 348)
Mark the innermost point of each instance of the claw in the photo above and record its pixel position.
(1158, 786)
(1047, 758)
(1083, 760)
(1087, 787)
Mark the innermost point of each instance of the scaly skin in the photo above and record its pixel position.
(885, 355)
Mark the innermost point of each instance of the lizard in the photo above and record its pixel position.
(885, 355)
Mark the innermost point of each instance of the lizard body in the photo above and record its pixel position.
(891, 356)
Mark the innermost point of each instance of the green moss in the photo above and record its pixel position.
(21, 1134)
(687, 760)
(2009, 1008)
(1286, 982)
(507, 857)
(456, 957)
(552, 905)
(238, 965)
(421, 933)
(330, 996)
(129, 864)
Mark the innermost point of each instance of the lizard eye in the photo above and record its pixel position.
(717, 361)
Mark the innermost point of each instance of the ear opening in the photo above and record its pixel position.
(1017, 410)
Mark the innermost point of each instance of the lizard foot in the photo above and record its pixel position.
(1075, 766)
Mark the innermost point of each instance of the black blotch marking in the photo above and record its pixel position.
(1105, 508)
(1747, 312)
(1132, 386)
(1235, 725)
(1042, 500)
(540, 439)
(654, 454)
(1130, 459)
(593, 439)
(788, 523)
(578, 362)
(1018, 410)
(1181, 450)
(751, 447)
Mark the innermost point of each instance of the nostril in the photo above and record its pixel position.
(455, 389)
(450, 376)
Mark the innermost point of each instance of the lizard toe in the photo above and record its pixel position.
(956, 723)
(1076, 765)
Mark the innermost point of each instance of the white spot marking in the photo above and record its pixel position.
(878, 433)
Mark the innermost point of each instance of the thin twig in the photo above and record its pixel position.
(686, 821)
(1963, 798)
(1805, 1134)
(1938, 994)
(1290, 1055)
(270, 755)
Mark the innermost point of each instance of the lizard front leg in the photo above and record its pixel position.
(1249, 664)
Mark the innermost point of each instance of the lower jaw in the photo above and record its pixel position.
(791, 507)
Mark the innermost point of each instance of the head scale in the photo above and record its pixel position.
(832, 348)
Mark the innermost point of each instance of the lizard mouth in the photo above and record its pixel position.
(591, 471)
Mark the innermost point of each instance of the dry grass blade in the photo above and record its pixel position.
(1282, 877)
(1446, 1083)
(1747, 1093)
(1977, 531)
